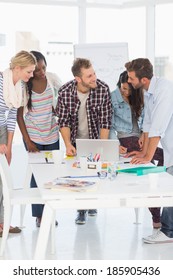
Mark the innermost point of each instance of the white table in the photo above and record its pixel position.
(127, 190)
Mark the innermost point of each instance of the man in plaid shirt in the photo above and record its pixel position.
(84, 110)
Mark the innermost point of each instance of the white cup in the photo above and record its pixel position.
(83, 163)
(57, 156)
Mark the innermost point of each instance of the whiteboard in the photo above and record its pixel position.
(108, 59)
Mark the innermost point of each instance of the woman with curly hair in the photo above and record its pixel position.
(37, 120)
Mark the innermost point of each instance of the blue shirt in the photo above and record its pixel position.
(122, 115)
(158, 120)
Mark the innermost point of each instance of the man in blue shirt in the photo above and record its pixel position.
(157, 127)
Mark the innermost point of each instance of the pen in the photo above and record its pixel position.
(46, 159)
(123, 162)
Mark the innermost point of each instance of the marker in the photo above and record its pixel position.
(123, 162)
(96, 157)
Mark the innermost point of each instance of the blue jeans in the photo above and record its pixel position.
(167, 215)
(37, 209)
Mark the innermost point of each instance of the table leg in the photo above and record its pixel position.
(41, 246)
(137, 216)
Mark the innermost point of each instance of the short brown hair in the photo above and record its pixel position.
(142, 68)
(78, 64)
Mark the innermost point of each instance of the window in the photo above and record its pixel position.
(35, 26)
(112, 25)
(164, 43)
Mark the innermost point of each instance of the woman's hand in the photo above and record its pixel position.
(8, 155)
(3, 149)
(31, 147)
(122, 150)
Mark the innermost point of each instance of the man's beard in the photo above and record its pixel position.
(89, 85)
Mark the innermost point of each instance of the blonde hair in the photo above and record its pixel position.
(22, 59)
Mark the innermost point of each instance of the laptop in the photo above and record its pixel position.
(107, 148)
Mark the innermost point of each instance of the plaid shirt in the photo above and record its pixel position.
(98, 109)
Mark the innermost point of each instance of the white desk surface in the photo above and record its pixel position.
(127, 190)
(156, 185)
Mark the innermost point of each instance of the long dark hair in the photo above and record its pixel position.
(39, 56)
(136, 99)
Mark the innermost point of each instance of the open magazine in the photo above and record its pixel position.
(70, 184)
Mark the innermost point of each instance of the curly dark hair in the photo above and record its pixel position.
(136, 99)
(39, 56)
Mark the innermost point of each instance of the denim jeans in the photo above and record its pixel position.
(167, 215)
(37, 209)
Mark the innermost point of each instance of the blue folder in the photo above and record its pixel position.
(143, 170)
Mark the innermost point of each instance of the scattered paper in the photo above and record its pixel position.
(70, 184)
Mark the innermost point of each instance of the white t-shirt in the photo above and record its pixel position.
(82, 132)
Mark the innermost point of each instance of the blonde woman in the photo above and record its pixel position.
(12, 91)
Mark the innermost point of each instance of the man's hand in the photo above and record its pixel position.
(137, 160)
(138, 157)
(135, 153)
(70, 150)
(141, 141)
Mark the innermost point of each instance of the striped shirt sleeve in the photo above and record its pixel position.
(7, 116)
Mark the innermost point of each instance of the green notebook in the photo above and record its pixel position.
(143, 170)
